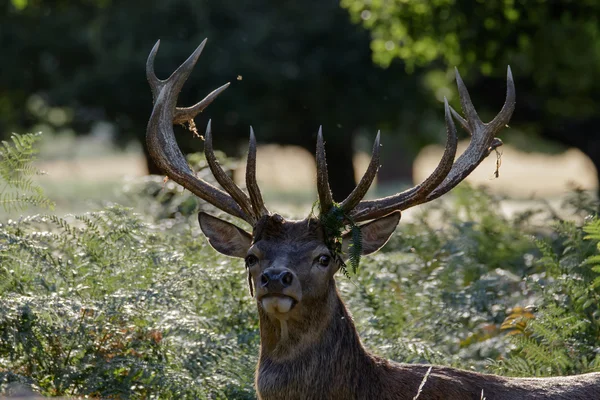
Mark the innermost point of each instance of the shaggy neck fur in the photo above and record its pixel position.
(319, 359)
(306, 329)
(323, 358)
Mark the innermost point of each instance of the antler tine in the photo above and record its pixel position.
(161, 142)
(503, 117)
(371, 209)
(445, 166)
(365, 183)
(325, 198)
(255, 196)
(180, 75)
(225, 180)
(460, 119)
(467, 106)
(483, 140)
(184, 114)
(448, 174)
(155, 83)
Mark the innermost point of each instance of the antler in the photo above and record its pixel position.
(165, 152)
(447, 174)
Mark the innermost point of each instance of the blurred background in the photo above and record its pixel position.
(115, 293)
(75, 70)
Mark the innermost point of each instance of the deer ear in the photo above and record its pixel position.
(374, 234)
(224, 237)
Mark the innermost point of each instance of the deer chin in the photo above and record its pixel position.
(278, 305)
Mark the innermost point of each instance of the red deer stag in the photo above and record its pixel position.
(309, 346)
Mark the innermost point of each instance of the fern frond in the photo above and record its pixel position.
(355, 248)
(17, 187)
(592, 228)
(335, 222)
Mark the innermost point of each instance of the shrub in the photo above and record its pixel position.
(124, 305)
(563, 337)
(105, 304)
(17, 187)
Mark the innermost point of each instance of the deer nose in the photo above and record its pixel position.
(276, 279)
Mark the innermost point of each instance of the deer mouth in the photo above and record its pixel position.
(277, 303)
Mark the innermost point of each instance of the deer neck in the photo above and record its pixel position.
(322, 326)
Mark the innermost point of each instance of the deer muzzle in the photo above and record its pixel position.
(278, 290)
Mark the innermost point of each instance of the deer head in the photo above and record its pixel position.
(291, 264)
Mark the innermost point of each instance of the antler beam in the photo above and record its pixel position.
(447, 174)
(165, 152)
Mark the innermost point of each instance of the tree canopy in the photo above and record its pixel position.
(553, 48)
(293, 66)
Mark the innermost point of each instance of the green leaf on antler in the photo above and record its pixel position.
(355, 248)
(335, 223)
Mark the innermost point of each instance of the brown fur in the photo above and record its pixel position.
(323, 358)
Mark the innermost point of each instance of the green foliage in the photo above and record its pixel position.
(409, 30)
(19, 4)
(335, 223)
(563, 337)
(293, 75)
(442, 287)
(162, 198)
(105, 304)
(280, 59)
(551, 47)
(17, 186)
(593, 233)
(552, 43)
(113, 303)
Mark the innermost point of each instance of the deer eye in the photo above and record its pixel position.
(324, 261)
(251, 260)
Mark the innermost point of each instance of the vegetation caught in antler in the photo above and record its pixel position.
(335, 223)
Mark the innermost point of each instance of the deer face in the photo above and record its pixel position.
(289, 263)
